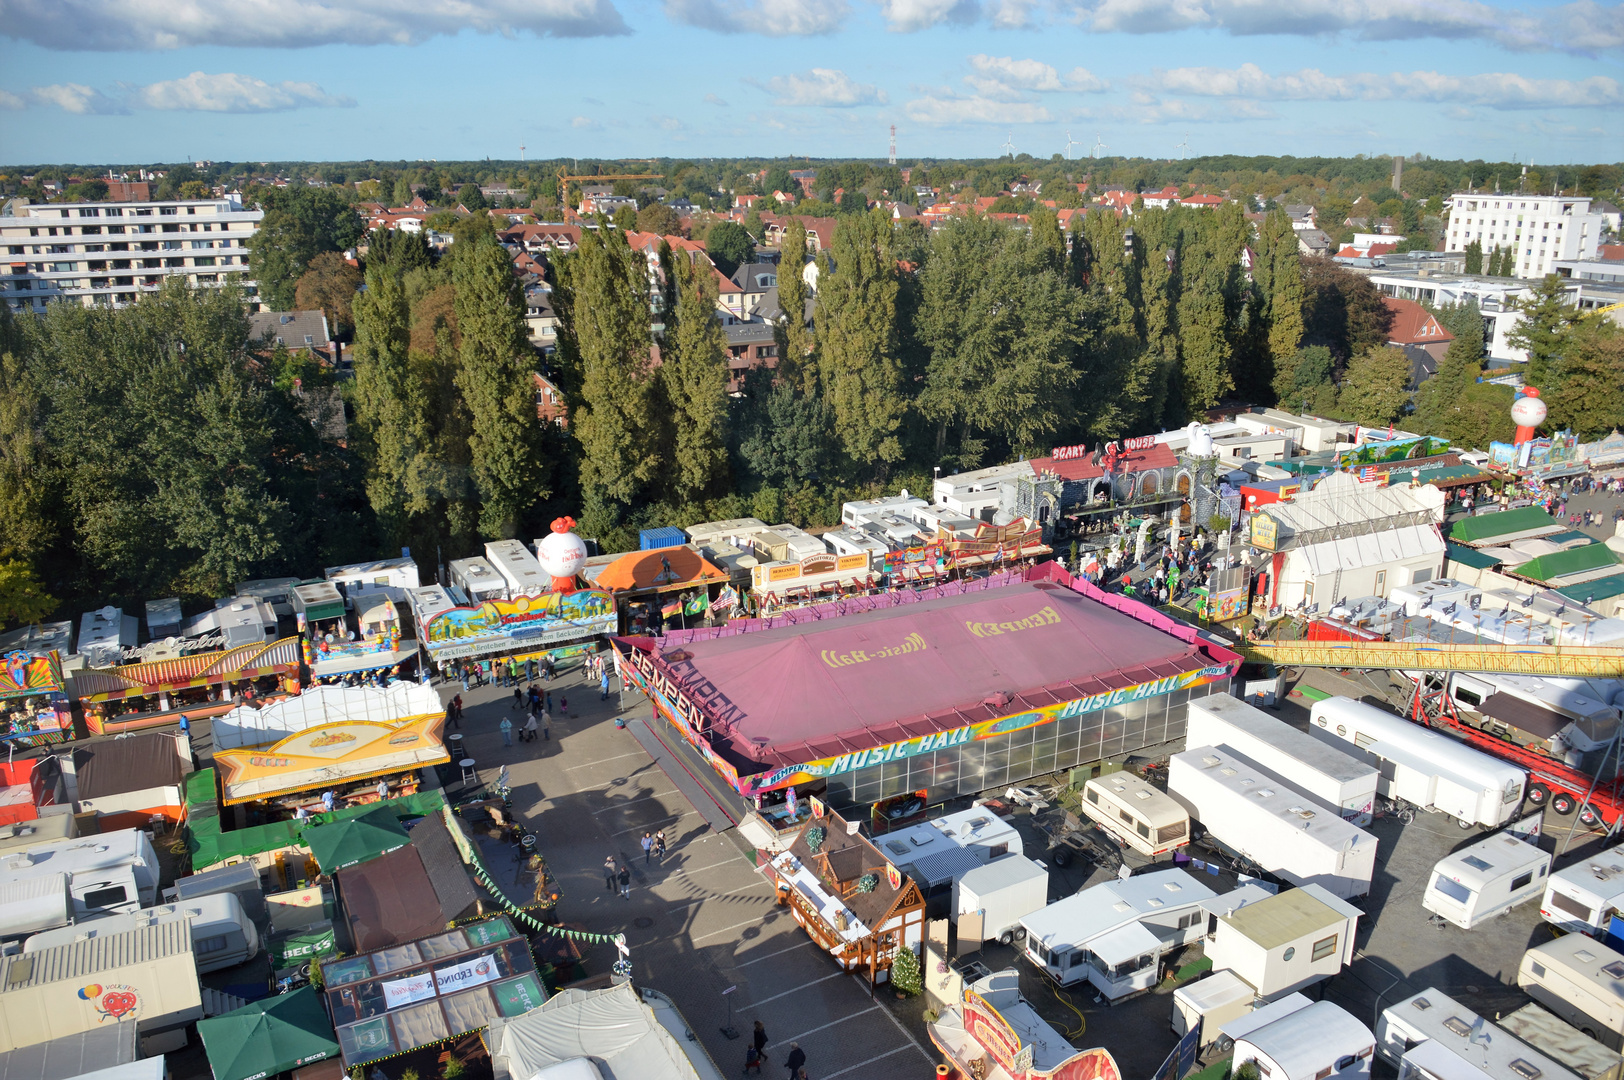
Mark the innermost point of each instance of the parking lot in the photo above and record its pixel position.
(703, 920)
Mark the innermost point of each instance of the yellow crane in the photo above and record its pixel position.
(564, 181)
(1602, 310)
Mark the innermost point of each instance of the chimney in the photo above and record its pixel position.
(1398, 174)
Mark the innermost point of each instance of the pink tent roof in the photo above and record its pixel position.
(796, 693)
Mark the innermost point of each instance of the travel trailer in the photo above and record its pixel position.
(106, 874)
(1576, 978)
(222, 935)
(1584, 898)
(1319, 769)
(1137, 813)
(1298, 1039)
(1286, 942)
(1211, 1002)
(997, 896)
(1431, 1036)
(1421, 767)
(1277, 827)
(1485, 879)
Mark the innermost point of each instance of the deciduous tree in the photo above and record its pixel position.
(857, 343)
(1375, 387)
(695, 377)
(329, 283)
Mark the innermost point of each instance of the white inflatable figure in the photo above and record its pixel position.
(1142, 542)
(562, 554)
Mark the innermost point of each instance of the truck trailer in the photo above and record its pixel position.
(1332, 776)
(1277, 827)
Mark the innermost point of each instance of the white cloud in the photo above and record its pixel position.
(1010, 14)
(10, 101)
(1084, 81)
(824, 87)
(975, 110)
(1007, 79)
(1498, 90)
(77, 98)
(1582, 26)
(586, 123)
(666, 123)
(176, 24)
(713, 99)
(200, 92)
(906, 16)
(773, 18)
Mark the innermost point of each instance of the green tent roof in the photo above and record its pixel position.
(1560, 564)
(1583, 592)
(1487, 527)
(1470, 557)
(346, 843)
(270, 1036)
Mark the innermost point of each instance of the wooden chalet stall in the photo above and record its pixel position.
(850, 899)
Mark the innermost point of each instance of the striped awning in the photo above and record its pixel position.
(186, 672)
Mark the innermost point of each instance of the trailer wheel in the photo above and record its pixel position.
(1020, 933)
(1538, 794)
(1463, 823)
(1007, 938)
(1061, 857)
(1588, 1031)
(1563, 803)
(1589, 816)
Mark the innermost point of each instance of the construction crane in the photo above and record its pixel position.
(564, 181)
(1602, 310)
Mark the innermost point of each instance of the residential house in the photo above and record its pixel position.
(297, 331)
(749, 345)
(1302, 216)
(805, 178)
(755, 280)
(537, 239)
(820, 231)
(1202, 202)
(1418, 332)
(1161, 200)
(540, 320)
(550, 405)
(128, 191)
(1313, 241)
(746, 202)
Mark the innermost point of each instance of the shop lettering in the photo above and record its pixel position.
(1142, 442)
(1046, 617)
(1118, 697)
(911, 644)
(1069, 453)
(942, 740)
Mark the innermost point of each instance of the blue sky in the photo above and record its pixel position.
(252, 80)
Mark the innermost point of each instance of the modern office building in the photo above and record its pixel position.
(1539, 229)
(110, 253)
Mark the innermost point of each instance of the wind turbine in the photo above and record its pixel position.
(1184, 147)
(1070, 142)
(1099, 144)
(1009, 145)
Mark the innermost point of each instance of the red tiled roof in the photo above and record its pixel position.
(1083, 468)
(1610, 252)
(1413, 324)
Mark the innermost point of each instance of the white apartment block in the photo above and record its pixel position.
(109, 253)
(1540, 229)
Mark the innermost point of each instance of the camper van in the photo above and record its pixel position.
(1429, 770)
(1298, 1039)
(222, 935)
(1486, 879)
(1575, 977)
(1330, 775)
(1432, 1034)
(1137, 813)
(935, 853)
(1279, 828)
(107, 874)
(1584, 897)
(1566, 718)
(997, 896)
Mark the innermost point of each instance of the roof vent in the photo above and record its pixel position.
(1458, 1026)
(1524, 1069)
(1121, 905)
(1421, 1004)
(1143, 794)
(1209, 761)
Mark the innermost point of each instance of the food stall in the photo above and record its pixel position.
(553, 625)
(373, 650)
(424, 992)
(129, 697)
(644, 583)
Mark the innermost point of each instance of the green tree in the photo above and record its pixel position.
(604, 340)
(1375, 388)
(299, 224)
(1342, 310)
(796, 363)
(779, 179)
(782, 434)
(1277, 273)
(1047, 237)
(857, 342)
(26, 530)
(1546, 314)
(694, 376)
(471, 198)
(730, 247)
(1441, 404)
(625, 219)
(403, 192)
(496, 380)
(387, 427)
(1208, 298)
(659, 219)
(1304, 381)
(23, 598)
(1474, 257)
(329, 284)
(1587, 391)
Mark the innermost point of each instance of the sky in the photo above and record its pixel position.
(131, 81)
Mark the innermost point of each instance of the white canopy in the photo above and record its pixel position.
(614, 1029)
(247, 726)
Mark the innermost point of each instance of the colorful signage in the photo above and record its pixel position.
(327, 753)
(472, 972)
(1378, 451)
(27, 673)
(986, 1025)
(1265, 532)
(816, 568)
(500, 625)
(926, 555)
(689, 719)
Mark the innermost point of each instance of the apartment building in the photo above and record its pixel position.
(110, 253)
(1540, 229)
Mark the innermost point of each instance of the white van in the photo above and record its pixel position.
(1486, 879)
(1584, 897)
(1414, 765)
(222, 934)
(1136, 812)
(1578, 979)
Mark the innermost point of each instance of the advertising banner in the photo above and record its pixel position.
(406, 991)
(474, 972)
(499, 625)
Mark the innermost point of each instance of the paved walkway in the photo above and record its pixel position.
(701, 920)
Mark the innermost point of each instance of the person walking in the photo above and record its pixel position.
(752, 1053)
(507, 731)
(648, 846)
(659, 845)
(530, 728)
(518, 697)
(465, 678)
(603, 685)
(563, 706)
(457, 701)
(451, 715)
(328, 798)
(797, 1058)
(609, 873)
(625, 879)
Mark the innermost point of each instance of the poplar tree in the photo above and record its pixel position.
(795, 363)
(859, 369)
(1047, 239)
(386, 427)
(1474, 257)
(1278, 275)
(695, 375)
(602, 298)
(1207, 269)
(497, 381)
(1113, 286)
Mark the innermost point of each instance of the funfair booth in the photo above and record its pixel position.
(952, 690)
